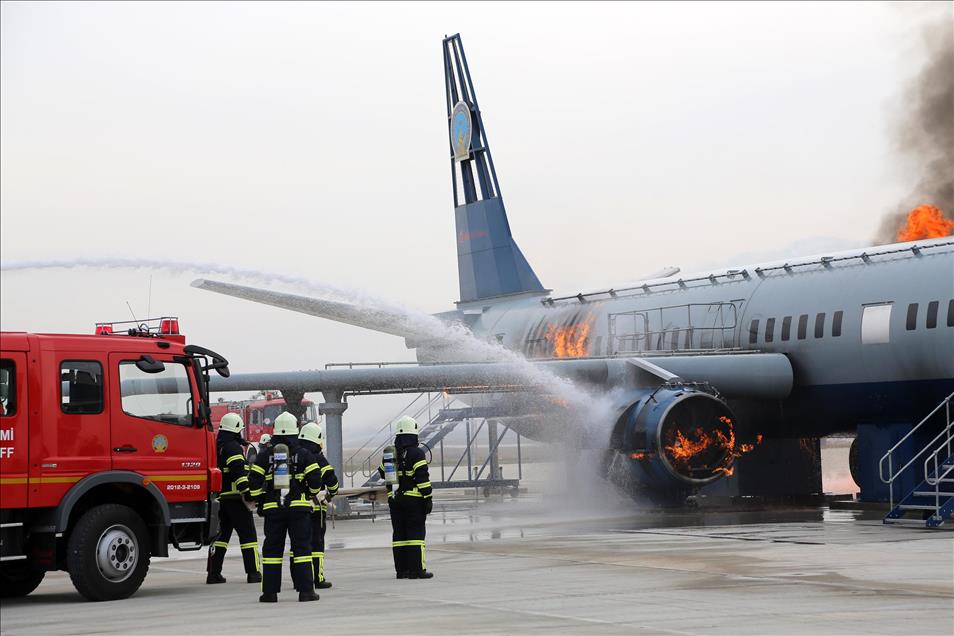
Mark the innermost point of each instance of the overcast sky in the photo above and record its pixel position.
(310, 139)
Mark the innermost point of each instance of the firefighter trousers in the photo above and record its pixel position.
(318, 520)
(234, 515)
(407, 526)
(295, 523)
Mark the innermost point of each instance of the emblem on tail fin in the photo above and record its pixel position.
(461, 131)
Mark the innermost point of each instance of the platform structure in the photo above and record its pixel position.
(441, 415)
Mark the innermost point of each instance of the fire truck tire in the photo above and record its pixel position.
(108, 553)
(19, 578)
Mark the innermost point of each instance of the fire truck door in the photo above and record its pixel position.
(154, 428)
(14, 434)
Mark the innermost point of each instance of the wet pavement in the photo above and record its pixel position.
(541, 565)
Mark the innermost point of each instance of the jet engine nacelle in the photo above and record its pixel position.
(671, 440)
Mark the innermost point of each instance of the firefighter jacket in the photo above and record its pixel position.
(304, 471)
(413, 477)
(231, 458)
(328, 478)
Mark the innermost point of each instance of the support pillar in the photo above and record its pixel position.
(494, 447)
(293, 404)
(332, 408)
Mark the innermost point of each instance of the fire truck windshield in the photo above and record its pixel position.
(271, 411)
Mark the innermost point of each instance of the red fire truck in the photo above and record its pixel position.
(259, 413)
(107, 455)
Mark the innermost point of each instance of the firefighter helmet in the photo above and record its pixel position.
(264, 439)
(406, 425)
(232, 422)
(286, 424)
(313, 433)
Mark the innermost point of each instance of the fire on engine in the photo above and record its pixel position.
(107, 454)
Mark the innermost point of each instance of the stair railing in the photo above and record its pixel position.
(932, 459)
(889, 456)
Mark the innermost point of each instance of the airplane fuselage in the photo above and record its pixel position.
(870, 337)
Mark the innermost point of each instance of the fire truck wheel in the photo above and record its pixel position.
(107, 553)
(19, 578)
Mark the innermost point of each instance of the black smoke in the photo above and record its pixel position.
(924, 132)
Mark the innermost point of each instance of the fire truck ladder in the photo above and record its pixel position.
(933, 498)
(487, 475)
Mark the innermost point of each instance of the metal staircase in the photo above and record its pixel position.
(442, 418)
(931, 502)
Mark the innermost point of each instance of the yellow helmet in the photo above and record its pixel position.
(406, 425)
(231, 422)
(286, 424)
(313, 433)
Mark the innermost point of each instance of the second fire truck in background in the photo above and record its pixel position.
(259, 413)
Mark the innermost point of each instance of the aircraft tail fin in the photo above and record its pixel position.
(489, 262)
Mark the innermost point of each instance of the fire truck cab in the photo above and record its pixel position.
(107, 455)
(259, 413)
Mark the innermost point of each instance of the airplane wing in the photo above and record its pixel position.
(374, 318)
(759, 376)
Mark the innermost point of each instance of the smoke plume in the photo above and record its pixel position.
(924, 133)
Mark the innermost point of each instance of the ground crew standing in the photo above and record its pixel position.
(283, 479)
(233, 512)
(410, 502)
(312, 439)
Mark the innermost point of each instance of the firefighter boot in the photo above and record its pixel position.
(421, 575)
(307, 596)
(253, 577)
(322, 585)
(211, 578)
(268, 598)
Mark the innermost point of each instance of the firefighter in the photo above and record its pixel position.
(312, 438)
(284, 486)
(233, 511)
(410, 503)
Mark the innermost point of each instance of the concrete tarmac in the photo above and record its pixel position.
(521, 567)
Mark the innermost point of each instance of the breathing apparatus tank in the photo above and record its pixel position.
(281, 478)
(390, 470)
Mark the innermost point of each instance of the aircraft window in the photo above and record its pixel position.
(754, 331)
(802, 326)
(912, 322)
(675, 340)
(786, 327)
(836, 323)
(950, 313)
(770, 330)
(819, 325)
(875, 324)
(932, 314)
(81, 387)
(689, 337)
(599, 345)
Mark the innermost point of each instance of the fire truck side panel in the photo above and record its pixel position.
(14, 433)
(155, 432)
(69, 436)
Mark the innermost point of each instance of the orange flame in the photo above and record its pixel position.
(924, 222)
(685, 447)
(570, 341)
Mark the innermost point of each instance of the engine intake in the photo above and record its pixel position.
(674, 439)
